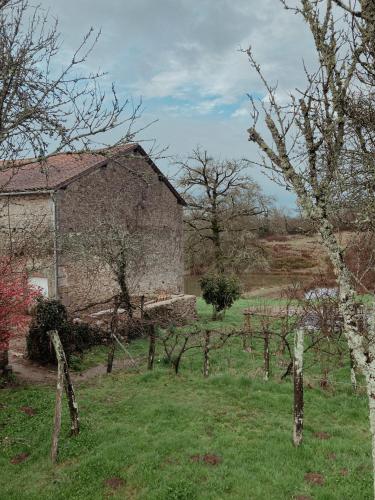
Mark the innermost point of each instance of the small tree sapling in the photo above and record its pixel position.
(220, 291)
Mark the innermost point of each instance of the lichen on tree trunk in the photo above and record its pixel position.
(298, 387)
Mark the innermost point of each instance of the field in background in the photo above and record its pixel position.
(291, 259)
(152, 435)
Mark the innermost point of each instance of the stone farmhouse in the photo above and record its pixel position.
(43, 204)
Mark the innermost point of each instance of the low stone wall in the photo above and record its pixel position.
(178, 310)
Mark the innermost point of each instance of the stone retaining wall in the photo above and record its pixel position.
(178, 310)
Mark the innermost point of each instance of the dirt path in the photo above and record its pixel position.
(33, 373)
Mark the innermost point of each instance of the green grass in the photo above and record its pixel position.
(144, 428)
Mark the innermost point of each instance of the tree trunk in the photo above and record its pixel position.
(266, 354)
(58, 401)
(348, 310)
(142, 307)
(214, 313)
(112, 347)
(111, 354)
(151, 350)
(216, 239)
(176, 364)
(371, 399)
(353, 377)
(298, 387)
(5, 369)
(206, 353)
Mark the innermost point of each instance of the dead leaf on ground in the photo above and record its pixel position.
(322, 435)
(28, 410)
(114, 483)
(207, 459)
(314, 478)
(21, 457)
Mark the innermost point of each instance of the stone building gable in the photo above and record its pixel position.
(128, 185)
(131, 192)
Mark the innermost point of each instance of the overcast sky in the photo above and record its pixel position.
(183, 58)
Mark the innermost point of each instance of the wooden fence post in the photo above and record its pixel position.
(206, 353)
(58, 404)
(151, 350)
(63, 381)
(142, 307)
(266, 354)
(298, 387)
(72, 402)
(247, 332)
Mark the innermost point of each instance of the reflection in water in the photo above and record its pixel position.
(249, 281)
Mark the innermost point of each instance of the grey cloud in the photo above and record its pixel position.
(189, 49)
(194, 40)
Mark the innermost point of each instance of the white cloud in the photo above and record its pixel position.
(241, 112)
(183, 57)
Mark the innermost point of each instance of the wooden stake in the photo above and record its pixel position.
(58, 401)
(151, 350)
(266, 354)
(72, 402)
(63, 380)
(206, 353)
(353, 377)
(298, 387)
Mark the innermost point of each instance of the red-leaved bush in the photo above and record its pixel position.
(16, 296)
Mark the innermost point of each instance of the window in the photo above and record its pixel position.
(41, 283)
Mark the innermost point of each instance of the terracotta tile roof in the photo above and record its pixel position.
(58, 171)
(53, 173)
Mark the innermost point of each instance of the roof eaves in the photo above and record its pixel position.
(162, 177)
(27, 192)
(66, 183)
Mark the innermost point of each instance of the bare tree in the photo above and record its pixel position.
(43, 109)
(306, 148)
(221, 196)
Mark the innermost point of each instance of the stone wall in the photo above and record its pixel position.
(131, 194)
(27, 233)
(178, 311)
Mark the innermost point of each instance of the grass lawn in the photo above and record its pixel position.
(153, 435)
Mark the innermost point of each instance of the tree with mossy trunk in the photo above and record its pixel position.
(305, 148)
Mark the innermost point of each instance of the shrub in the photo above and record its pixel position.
(49, 315)
(220, 291)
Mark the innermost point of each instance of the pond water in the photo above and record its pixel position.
(250, 281)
